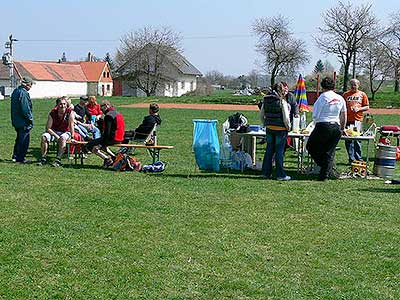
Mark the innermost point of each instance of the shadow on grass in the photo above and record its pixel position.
(390, 189)
(78, 166)
(240, 175)
(36, 152)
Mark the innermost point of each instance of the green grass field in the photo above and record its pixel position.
(87, 233)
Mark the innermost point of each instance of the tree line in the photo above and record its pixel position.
(352, 33)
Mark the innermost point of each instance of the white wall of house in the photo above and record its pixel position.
(108, 88)
(184, 84)
(4, 82)
(5, 87)
(50, 89)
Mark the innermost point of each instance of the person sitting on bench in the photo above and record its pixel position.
(83, 120)
(113, 128)
(144, 129)
(60, 128)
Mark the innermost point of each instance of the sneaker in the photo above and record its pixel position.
(107, 162)
(24, 162)
(286, 178)
(334, 174)
(42, 161)
(56, 163)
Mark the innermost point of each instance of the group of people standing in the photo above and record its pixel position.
(331, 114)
(98, 124)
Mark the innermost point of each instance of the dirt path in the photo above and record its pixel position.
(235, 107)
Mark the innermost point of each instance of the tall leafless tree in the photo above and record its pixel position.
(346, 28)
(392, 42)
(215, 77)
(375, 61)
(253, 77)
(281, 51)
(145, 55)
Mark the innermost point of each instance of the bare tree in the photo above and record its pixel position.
(328, 67)
(215, 77)
(145, 56)
(280, 50)
(375, 61)
(252, 78)
(392, 44)
(346, 28)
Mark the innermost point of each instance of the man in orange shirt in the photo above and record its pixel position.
(357, 103)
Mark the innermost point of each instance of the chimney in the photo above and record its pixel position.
(89, 56)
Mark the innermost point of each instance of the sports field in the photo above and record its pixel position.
(81, 232)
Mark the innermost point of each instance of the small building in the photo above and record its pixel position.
(56, 79)
(181, 78)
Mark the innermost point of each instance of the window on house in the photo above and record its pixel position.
(108, 87)
(108, 74)
(104, 74)
(191, 85)
(182, 85)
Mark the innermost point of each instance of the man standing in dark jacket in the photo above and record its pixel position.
(22, 119)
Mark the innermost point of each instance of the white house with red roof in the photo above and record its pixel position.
(180, 79)
(56, 79)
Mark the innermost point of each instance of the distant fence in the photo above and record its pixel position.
(312, 96)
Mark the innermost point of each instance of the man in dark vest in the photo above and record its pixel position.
(277, 123)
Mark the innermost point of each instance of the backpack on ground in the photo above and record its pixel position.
(124, 162)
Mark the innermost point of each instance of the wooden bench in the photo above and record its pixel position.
(154, 150)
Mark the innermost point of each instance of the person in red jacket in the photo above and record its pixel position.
(113, 129)
(94, 108)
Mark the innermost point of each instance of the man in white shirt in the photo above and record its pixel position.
(329, 116)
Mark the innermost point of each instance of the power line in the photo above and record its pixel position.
(219, 36)
(84, 41)
(226, 36)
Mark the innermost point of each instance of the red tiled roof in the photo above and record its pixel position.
(50, 71)
(4, 72)
(93, 70)
(66, 71)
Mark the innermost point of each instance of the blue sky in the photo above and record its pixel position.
(217, 34)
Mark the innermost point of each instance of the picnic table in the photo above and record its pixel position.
(154, 150)
(303, 159)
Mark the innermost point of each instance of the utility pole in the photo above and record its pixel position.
(10, 60)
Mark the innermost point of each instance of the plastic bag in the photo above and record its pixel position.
(206, 145)
(241, 160)
(285, 113)
(156, 167)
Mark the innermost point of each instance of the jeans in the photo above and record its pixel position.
(354, 150)
(276, 142)
(84, 132)
(21, 144)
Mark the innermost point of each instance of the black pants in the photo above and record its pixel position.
(21, 144)
(100, 141)
(321, 146)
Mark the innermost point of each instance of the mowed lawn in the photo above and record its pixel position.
(81, 232)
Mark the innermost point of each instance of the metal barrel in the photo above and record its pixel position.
(385, 160)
